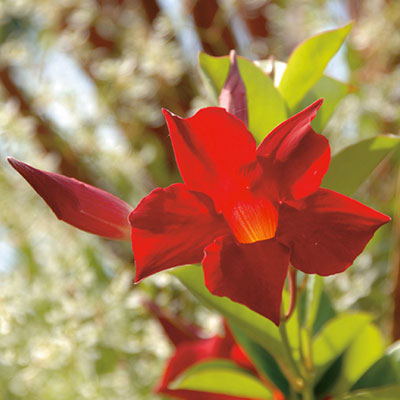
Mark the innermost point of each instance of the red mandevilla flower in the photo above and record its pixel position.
(243, 212)
(246, 212)
(191, 348)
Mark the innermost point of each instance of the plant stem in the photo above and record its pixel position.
(307, 393)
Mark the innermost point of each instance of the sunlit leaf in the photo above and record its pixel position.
(308, 62)
(335, 337)
(364, 351)
(386, 371)
(332, 91)
(352, 166)
(223, 377)
(266, 108)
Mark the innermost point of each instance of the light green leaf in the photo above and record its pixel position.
(385, 393)
(308, 62)
(266, 108)
(363, 352)
(352, 166)
(258, 328)
(261, 359)
(332, 91)
(222, 377)
(386, 371)
(335, 337)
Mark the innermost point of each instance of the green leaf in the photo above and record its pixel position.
(261, 359)
(385, 393)
(335, 337)
(265, 105)
(223, 377)
(364, 351)
(386, 371)
(258, 328)
(332, 91)
(315, 286)
(352, 166)
(307, 63)
(324, 314)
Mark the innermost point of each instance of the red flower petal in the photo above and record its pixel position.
(83, 206)
(326, 231)
(171, 227)
(177, 330)
(213, 150)
(233, 94)
(299, 156)
(251, 274)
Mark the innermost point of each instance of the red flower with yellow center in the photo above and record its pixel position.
(243, 211)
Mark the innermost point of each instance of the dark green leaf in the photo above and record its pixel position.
(324, 314)
(385, 393)
(314, 288)
(262, 360)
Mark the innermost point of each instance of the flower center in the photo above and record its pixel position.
(253, 220)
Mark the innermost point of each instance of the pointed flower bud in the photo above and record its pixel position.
(83, 206)
(233, 94)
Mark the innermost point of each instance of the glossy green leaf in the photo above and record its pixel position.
(385, 393)
(266, 107)
(308, 62)
(223, 377)
(352, 166)
(314, 288)
(386, 371)
(324, 314)
(258, 328)
(335, 337)
(363, 352)
(332, 91)
(261, 359)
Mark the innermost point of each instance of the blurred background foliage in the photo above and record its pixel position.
(82, 84)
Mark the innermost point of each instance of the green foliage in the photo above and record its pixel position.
(365, 349)
(335, 337)
(262, 360)
(266, 107)
(332, 91)
(261, 330)
(387, 393)
(307, 64)
(223, 377)
(353, 165)
(384, 372)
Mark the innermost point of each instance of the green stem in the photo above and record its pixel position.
(307, 393)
